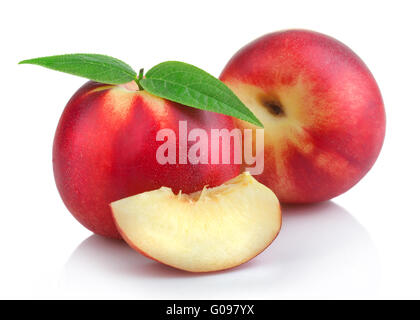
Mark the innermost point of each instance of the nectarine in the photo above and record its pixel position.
(322, 111)
(105, 149)
(210, 230)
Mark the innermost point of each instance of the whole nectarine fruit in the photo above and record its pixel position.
(322, 112)
(105, 150)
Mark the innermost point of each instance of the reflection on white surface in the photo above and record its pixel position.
(322, 251)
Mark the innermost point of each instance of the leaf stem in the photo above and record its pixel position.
(138, 78)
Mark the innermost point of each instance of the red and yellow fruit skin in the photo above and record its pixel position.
(105, 150)
(333, 125)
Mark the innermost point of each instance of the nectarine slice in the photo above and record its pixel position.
(210, 230)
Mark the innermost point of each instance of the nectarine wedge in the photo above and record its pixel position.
(209, 230)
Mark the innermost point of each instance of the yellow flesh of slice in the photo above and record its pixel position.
(210, 230)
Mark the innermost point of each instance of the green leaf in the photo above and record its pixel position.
(96, 67)
(191, 86)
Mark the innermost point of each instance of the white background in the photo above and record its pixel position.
(363, 244)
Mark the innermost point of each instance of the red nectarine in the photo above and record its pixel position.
(322, 111)
(105, 150)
